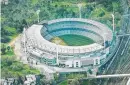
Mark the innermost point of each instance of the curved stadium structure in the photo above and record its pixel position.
(40, 48)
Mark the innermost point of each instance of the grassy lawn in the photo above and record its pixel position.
(9, 53)
(60, 41)
(76, 40)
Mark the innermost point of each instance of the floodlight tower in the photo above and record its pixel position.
(57, 50)
(57, 57)
(80, 6)
(24, 34)
(113, 21)
(24, 43)
(38, 11)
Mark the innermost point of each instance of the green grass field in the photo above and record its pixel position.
(76, 40)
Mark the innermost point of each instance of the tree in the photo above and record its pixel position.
(10, 30)
(17, 66)
(74, 82)
(20, 80)
(5, 39)
(24, 23)
(3, 49)
(126, 19)
(8, 48)
(90, 71)
(9, 60)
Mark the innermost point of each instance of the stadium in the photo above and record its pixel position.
(68, 42)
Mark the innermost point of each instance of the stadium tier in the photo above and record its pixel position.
(39, 47)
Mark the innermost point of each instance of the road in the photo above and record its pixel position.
(108, 76)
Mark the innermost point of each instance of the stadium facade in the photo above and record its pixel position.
(36, 41)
